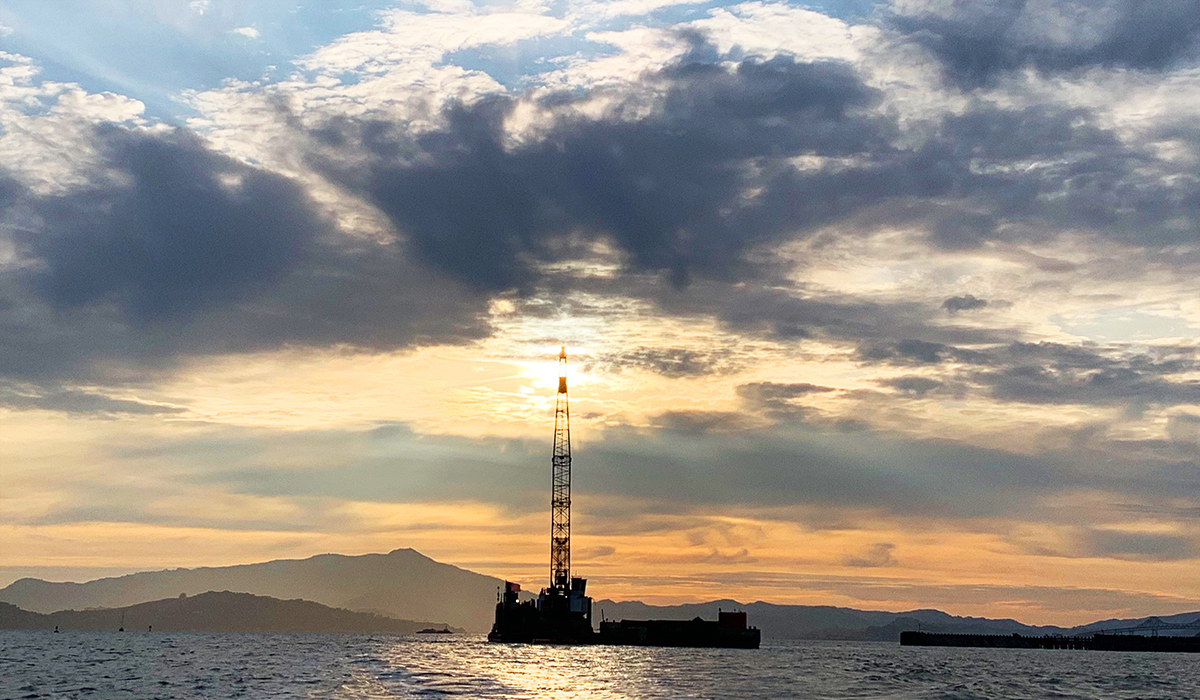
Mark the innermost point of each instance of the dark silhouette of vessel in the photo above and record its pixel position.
(557, 616)
(1098, 641)
(562, 612)
(556, 619)
(729, 631)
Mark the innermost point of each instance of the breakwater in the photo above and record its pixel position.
(1097, 642)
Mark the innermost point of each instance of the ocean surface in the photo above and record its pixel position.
(195, 665)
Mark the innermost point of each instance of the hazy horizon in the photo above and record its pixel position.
(457, 600)
(879, 305)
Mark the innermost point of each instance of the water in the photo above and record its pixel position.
(195, 665)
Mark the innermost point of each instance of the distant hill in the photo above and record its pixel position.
(406, 584)
(821, 621)
(403, 584)
(213, 612)
(826, 622)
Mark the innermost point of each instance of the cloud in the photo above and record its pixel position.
(700, 422)
(966, 302)
(778, 398)
(1116, 385)
(765, 192)
(1139, 546)
(878, 554)
(703, 184)
(186, 229)
(247, 32)
(1055, 373)
(802, 473)
(667, 190)
(175, 250)
(1043, 373)
(1184, 427)
(668, 362)
(75, 401)
(912, 351)
(698, 174)
(593, 553)
(914, 385)
(982, 40)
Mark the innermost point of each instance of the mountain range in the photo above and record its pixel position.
(403, 584)
(408, 585)
(214, 612)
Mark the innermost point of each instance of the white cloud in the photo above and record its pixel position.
(46, 127)
(609, 9)
(5, 30)
(248, 32)
(410, 36)
(104, 106)
(199, 6)
(771, 28)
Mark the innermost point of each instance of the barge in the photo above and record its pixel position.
(1097, 642)
(562, 612)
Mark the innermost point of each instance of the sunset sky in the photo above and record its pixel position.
(883, 305)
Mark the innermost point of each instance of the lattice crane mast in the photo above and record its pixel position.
(560, 500)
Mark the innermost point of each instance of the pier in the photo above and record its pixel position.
(1097, 642)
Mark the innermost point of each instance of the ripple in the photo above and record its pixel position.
(353, 667)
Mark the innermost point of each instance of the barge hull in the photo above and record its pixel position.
(1097, 642)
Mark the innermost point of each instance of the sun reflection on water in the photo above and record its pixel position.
(473, 668)
(479, 669)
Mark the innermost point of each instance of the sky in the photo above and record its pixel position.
(886, 306)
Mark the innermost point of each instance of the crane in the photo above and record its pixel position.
(560, 499)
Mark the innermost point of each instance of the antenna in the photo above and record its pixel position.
(560, 501)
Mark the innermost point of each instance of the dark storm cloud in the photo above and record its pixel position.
(671, 191)
(185, 251)
(914, 386)
(979, 40)
(175, 250)
(668, 189)
(1086, 177)
(189, 252)
(186, 229)
(911, 351)
(965, 302)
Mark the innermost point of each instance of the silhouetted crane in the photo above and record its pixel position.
(560, 499)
